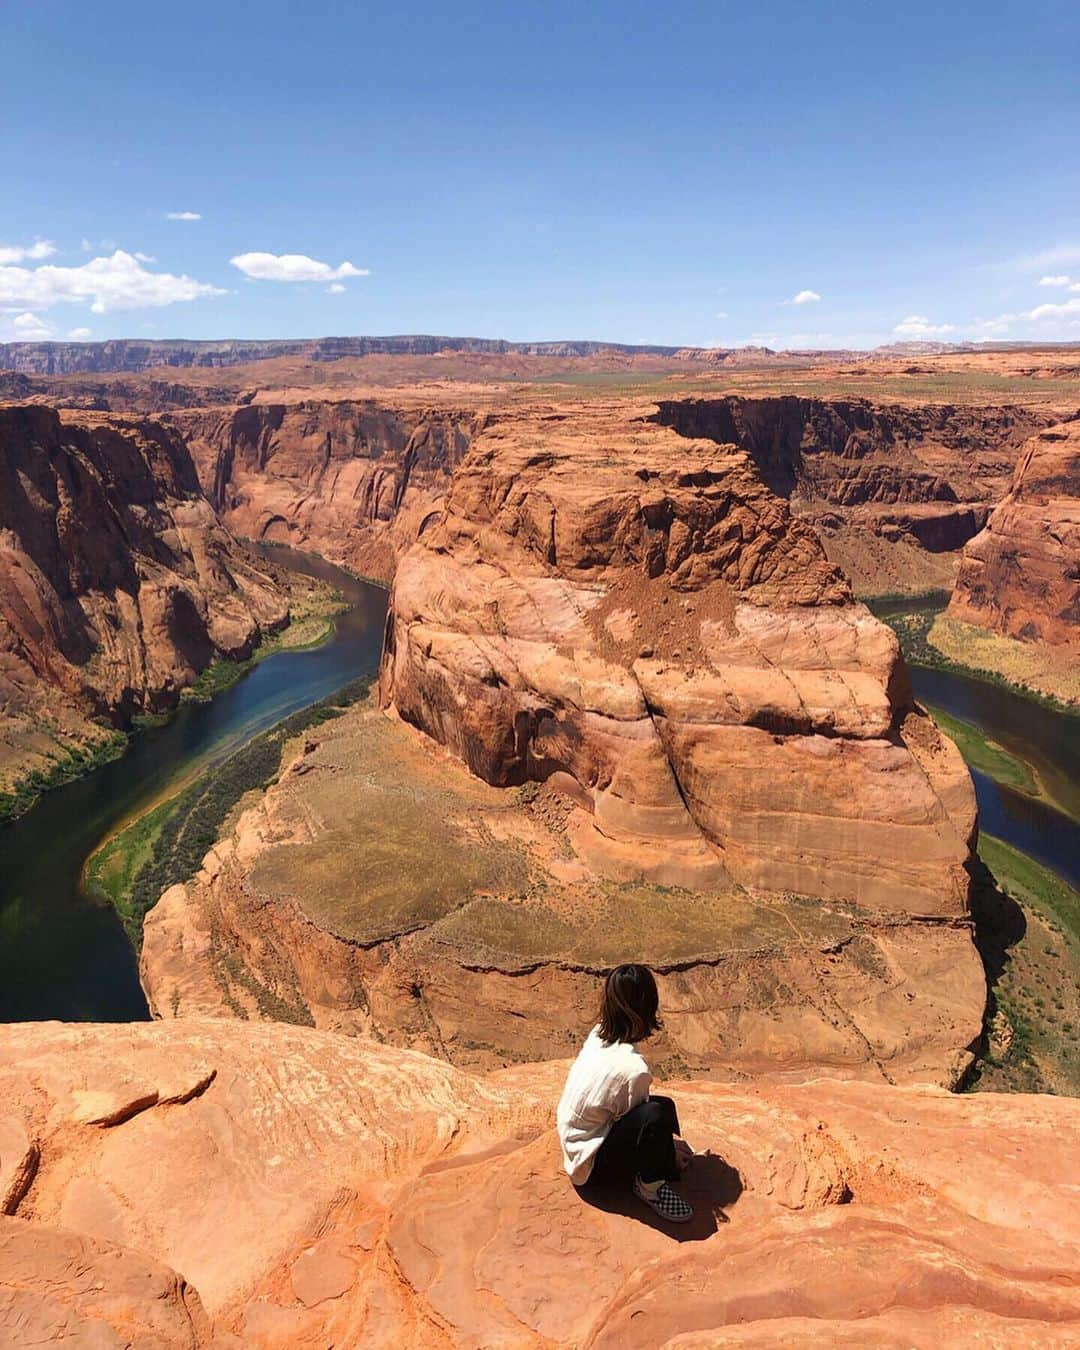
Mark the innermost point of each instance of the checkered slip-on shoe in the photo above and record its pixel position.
(664, 1201)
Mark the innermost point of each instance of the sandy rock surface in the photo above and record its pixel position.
(210, 1183)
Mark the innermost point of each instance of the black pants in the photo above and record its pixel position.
(640, 1144)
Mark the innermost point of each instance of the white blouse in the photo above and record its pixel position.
(604, 1082)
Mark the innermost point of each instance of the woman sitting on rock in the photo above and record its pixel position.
(609, 1126)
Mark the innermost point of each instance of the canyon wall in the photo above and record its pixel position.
(352, 480)
(352, 1194)
(117, 582)
(1021, 575)
(921, 479)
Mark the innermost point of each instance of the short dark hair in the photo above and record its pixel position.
(628, 1005)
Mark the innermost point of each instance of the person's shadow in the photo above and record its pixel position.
(709, 1185)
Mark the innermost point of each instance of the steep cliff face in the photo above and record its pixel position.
(351, 1194)
(868, 475)
(352, 480)
(636, 617)
(117, 582)
(1021, 575)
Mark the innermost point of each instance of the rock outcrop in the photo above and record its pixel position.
(351, 1194)
(1021, 575)
(633, 616)
(353, 480)
(118, 584)
(380, 889)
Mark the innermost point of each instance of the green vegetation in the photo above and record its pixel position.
(1028, 921)
(913, 630)
(222, 673)
(69, 763)
(167, 845)
(986, 755)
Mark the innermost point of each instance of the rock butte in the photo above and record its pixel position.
(633, 615)
(202, 1183)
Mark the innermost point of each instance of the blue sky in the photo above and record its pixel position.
(673, 173)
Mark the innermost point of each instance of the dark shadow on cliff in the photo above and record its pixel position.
(710, 1186)
(999, 921)
(999, 925)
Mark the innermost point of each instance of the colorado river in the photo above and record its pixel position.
(1046, 740)
(62, 953)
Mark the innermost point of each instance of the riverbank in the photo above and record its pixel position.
(928, 638)
(65, 953)
(314, 608)
(66, 764)
(133, 867)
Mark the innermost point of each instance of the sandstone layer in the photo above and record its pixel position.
(381, 890)
(351, 1194)
(634, 617)
(352, 480)
(118, 584)
(1021, 575)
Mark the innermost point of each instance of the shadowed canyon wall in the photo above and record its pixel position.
(117, 582)
(930, 473)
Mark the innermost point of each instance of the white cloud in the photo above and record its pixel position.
(16, 253)
(721, 314)
(919, 326)
(335, 289)
(30, 327)
(145, 257)
(1060, 280)
(761, 340)
(293, 267)
(1054, 311)
(80, 334)
(116, 282)
(803, 298)
(183, 215)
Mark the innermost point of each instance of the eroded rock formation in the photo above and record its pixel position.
(117, 582)
(352, 480)
(351, 1194)
(381, 890)
(1021, 575)
(635, 617)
